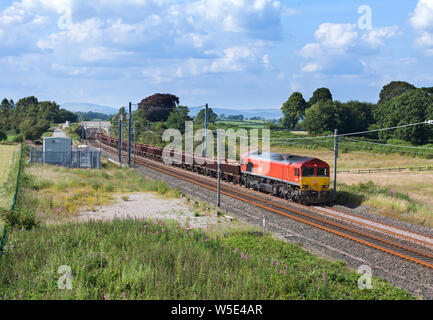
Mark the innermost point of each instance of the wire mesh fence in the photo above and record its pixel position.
(88, 158)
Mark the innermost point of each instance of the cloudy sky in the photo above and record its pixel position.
(229, 53)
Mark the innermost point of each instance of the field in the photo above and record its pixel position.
(149, 259)
(357, 159)
(8, 156)
(401, 195)
(252, 124)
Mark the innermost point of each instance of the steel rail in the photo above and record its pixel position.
(425, 243)
(243, 196)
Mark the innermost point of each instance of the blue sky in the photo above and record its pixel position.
(237, 54)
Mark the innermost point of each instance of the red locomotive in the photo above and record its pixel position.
(296, 178)
(293, 177)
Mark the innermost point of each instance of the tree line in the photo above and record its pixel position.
(29, 118)
(399, 103)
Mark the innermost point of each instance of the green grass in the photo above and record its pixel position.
(133, 259)
(8, 173)
(252, 124)
(73, 132)
(52, 192)
(387, 202)
(11, 138)
(48, 133)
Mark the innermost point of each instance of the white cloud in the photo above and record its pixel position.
(101, 53)
(336, 36)
(311, 67)
(71, 71)
(88, 30)
(421, 21)
(376, 37)
(236, 15)
(233, 59)
(422, 17)
(311, 50)
(266, 61)
(160, 40)
(335, 41)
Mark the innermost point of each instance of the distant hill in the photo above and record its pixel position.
(247, 113)
(92, 116)
(86, 107)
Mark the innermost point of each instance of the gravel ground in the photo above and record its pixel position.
(404, 274)
(155, 208)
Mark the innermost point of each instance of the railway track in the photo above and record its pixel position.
(399, 242)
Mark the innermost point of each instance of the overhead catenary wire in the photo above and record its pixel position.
(323, 138)
(391, 145)
(314, 137)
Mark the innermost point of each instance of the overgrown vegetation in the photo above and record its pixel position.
(387, 202)
(133, 259)
(53, 192)
(8, 174)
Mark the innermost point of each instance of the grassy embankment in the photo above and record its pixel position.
(56, 192)
(73, 132)
(133, 259)
(9, 155)
(403, 195)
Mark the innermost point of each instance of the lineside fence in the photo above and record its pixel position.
(88, 158)
(379, 170)
(14, 202)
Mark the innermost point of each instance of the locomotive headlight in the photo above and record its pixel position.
(325, 186)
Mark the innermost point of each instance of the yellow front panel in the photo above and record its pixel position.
(315, 183)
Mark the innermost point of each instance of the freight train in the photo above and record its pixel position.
(295, 178)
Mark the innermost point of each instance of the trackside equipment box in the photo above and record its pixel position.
(57, 150)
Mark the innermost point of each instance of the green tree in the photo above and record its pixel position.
(353, 116)
(393, 90)
(211, 116)
(413, 106)
(320, 117)
(31, 129)
(178, 117)
(13, 116)
(293, 110)
(3, 136)
(320, 95)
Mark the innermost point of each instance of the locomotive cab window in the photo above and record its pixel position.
(308, 172)
(322, 172)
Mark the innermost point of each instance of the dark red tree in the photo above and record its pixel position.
(158, 106)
